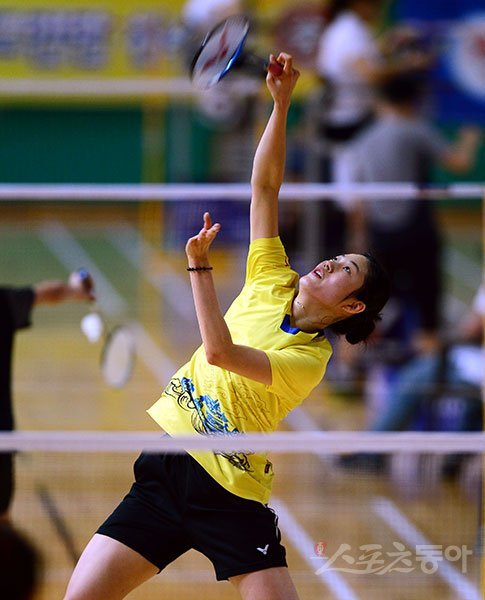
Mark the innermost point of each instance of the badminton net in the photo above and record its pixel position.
(362, 515)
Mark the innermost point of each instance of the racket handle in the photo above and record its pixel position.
(81, 279)
(83, 273)
(78, 277)
(275, 68)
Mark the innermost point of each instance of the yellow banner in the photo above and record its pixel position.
(128, 48)
(126, 38)
(84, 38)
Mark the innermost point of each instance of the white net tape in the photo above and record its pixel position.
(114, 87)
(311, 442)
(350, 534)
(302, 192)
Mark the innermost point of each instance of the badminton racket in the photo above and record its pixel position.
(223, 50)
(118, 350)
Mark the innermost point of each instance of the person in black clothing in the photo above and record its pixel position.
(16, 304)
(20, 567)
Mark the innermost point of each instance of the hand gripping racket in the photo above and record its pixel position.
(223, 50)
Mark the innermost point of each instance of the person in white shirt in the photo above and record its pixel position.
(347, 58)
(350, 61)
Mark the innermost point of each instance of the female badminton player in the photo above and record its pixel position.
(254, 365)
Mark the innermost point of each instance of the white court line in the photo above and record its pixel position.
(300, 420)
(152, 356)
(305, 546)
(389, 512)
(455, 308)
(392, 516)
(72, 255)
(462, 268)
(467, 272)
(171, 286)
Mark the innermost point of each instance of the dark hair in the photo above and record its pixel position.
(20, 565)
(406, 88)
(333, 8)
(374, 293)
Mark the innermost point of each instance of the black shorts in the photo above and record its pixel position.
(175, 505)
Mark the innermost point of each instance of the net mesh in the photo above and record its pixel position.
(355, 510)
(385, 525)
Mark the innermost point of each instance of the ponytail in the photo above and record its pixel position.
(357, 328)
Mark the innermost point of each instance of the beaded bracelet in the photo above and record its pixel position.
(199, 268)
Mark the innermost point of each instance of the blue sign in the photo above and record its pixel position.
(455, 30)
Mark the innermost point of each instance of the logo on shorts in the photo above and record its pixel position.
(263, 550)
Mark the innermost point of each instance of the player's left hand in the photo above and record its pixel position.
(197, 247)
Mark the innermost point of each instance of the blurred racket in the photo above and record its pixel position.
(117, 358)
(223, 50)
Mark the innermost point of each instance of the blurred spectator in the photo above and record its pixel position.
(400, 147)
(16, 304)
(460, 359)
(202, 16)
(453, 373)
(19, 567)
(351, 62)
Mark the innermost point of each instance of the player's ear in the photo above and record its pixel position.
(353, 307)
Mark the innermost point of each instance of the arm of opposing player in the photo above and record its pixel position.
(56, 291)
(270, 156)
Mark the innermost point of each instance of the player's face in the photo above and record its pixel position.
(333, 281)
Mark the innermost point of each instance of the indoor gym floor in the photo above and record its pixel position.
(58, 387)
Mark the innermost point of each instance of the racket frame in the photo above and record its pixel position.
(107, 342)
(235, 56)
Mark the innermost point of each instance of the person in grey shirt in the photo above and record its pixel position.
(401, 147)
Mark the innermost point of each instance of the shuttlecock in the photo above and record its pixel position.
(92, 326)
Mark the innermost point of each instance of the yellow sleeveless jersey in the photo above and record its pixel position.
(205, 399)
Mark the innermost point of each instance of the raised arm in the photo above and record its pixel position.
(219, 348)
(460, 156)
(270, 156)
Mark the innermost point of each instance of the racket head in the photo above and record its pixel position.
(219, 51)
(118, 357)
